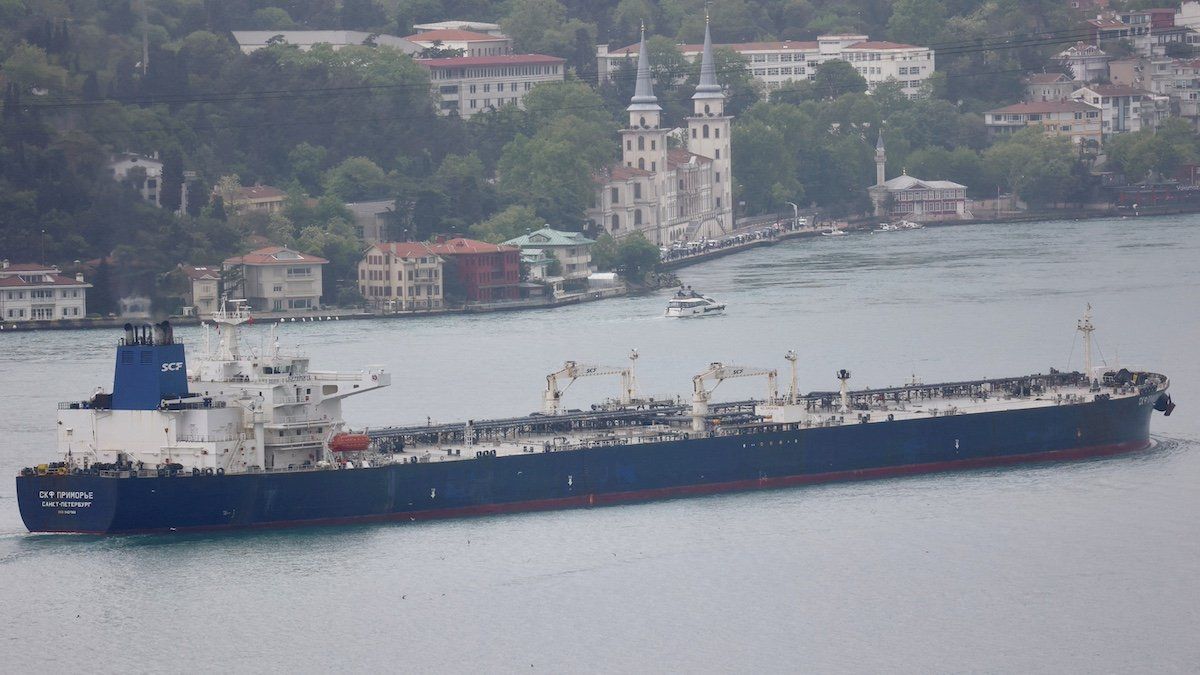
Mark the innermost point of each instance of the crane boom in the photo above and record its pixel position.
(720, 372)
(572, 370)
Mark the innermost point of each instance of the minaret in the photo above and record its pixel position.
(708, 130)
(644, 143)
(880, 160)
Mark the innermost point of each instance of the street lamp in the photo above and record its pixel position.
(795, 215)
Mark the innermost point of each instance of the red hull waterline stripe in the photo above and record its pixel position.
(681, 491)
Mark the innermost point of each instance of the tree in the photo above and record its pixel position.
(357, 178)
(362, 15)
(1034, 166)
(916, 21)
(513, 221)
(835, 78)
(766, 168)
(307, 162)
(542, 27)
(1163, 150)
(636, 256)
(604, 253)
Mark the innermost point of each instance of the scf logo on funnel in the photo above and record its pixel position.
(173, 366)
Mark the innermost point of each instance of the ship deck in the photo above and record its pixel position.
(658, 421)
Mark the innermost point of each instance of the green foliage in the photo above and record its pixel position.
(1035, 167)
(604, 253)
(636, 256)
(513, 221)
(1136, 155)
(542, 27)
(355, 179)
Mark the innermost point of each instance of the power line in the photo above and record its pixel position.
(972, 46)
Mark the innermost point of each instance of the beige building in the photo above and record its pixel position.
(459, 24)
(304, 40)
(371, 218)
(31, 292)
(470, 42)
(468, 85)
(1122, 108)
(203, 290)
(666, 194)
(1049, 87)
(777, 63)
(278, 279)
(1075, 120)
(256, 198)
(395, 276)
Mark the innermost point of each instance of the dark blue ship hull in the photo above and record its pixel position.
(596, 476)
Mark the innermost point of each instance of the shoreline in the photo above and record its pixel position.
(623, 290)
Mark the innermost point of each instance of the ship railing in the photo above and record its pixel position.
(200, 438)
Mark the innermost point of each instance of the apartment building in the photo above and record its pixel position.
(1121, 107)
(278, 279)
(467, 85)
(398, 276)
(1075, 120)
(777, 63)
(33, 292)
(470, 42)
(304, 40)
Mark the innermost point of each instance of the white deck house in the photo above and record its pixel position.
(32, 292)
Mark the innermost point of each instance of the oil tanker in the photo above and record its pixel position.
(254, 438)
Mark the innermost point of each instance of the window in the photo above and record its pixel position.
(628, 144)
(299, 272)
(637, 217)
(637, 190)
(641, 143)
(716, 132)
(616, 195)
(718, 153)
(718, 176)
(616, 222)
(704, 133)
(641, 163)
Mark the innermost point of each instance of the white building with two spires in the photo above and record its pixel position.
(669, 194)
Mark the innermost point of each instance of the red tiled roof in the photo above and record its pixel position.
(1116, 90)
(502, 60)
(1044, 107)
(464, 246)
(619, 172)
(882, 44)
(734, 46)
(452, 34)
(1046, 78)
(55, 280)
(202, 272)
(679, 156)
(405, 249)
(27, 267)
(772, 46)
(265, 256)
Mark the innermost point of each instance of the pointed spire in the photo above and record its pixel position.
(643, 94)
(708, 87)
(879, 141)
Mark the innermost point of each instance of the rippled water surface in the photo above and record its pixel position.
(1090, 566)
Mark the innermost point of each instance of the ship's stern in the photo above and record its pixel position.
(67, 503)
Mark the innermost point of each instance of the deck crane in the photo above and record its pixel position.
(721, 372)
(552, 397)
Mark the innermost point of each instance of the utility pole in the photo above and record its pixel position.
(795, 216)
(145, 40)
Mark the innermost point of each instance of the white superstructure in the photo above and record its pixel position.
(246, 410)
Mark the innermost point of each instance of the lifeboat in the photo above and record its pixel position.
(349, 442)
